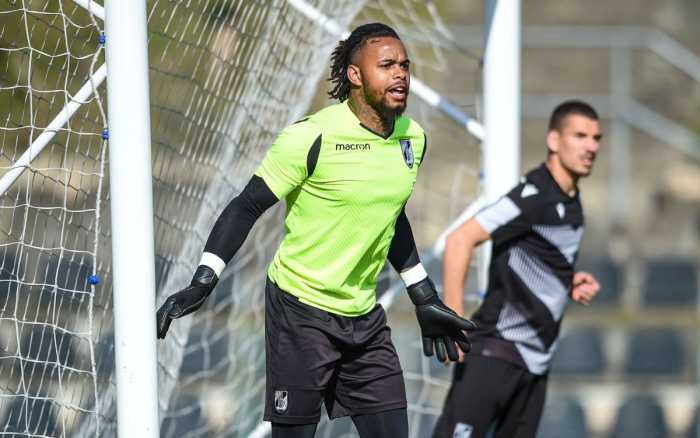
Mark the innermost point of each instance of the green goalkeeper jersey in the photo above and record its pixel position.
(344, 186)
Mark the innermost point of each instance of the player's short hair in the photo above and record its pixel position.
(346, 49)
(567, 108)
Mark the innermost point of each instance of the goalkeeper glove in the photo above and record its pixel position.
(439, 324)
(187, 300)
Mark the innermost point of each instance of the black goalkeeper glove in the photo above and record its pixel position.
(439, 324)
(187, 300)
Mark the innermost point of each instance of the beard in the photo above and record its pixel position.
(396, 111)
(382, 107)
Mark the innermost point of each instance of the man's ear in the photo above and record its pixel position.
(553, 139)
(354, 75)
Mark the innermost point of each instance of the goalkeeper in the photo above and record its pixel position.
(346, 174)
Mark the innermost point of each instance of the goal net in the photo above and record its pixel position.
(225, 78)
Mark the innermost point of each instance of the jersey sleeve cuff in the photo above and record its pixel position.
(414, 275)
(214, 262)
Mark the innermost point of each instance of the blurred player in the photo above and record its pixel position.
(536, 230)
(346, 174)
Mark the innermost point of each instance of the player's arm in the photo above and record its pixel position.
(441, 328)
(506, 219)
(226, 237)
(459, 247)
(289, 161)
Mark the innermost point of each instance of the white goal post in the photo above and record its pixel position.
(131, 196)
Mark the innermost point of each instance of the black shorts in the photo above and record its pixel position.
(315, 356)
(488, 393)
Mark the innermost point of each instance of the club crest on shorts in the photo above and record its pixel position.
(407, 152)
(462, 430)
(281, 401)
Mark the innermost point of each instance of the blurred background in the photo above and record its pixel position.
(226, 76)
(627, 365)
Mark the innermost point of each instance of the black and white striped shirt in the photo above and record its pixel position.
(536, 231)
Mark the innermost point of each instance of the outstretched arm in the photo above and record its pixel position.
(290, 160)
(459, 248)
(443, 331)
(239, 216)
(227, 236)
(508, 218)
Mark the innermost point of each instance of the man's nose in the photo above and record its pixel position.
(592, 144)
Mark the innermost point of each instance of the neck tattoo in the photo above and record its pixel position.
(371, 118)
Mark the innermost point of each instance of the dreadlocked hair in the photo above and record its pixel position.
(346, 49)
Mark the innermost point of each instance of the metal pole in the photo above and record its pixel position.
(501, 147)
(52, 129)
(62, 118)
(92, 7)
(132, 218)
(501, 97)
(620, 78)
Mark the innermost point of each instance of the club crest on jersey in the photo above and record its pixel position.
(281, 401)
(561, 210)
(407, 152)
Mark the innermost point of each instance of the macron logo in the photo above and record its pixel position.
(529, 190)
(352, 147)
